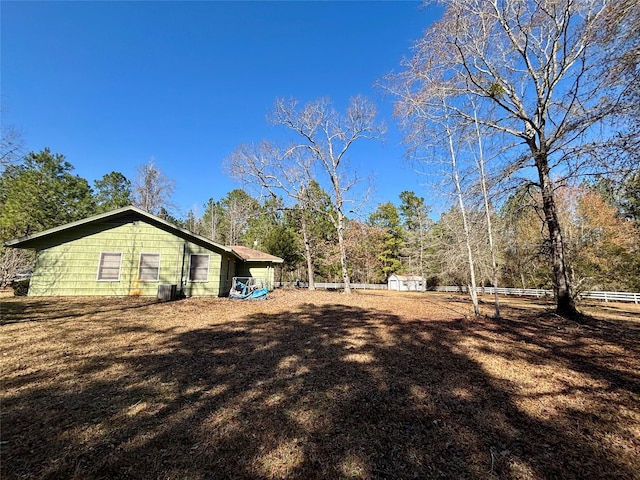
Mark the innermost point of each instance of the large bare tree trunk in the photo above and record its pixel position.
(564, 301)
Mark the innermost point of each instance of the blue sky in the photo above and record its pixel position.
(112, 84)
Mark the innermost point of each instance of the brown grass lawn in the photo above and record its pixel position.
(316, 385)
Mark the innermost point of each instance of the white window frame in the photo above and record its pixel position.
(191, 262)
(140, 267)
(101, 266)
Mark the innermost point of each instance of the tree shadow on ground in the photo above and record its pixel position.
(51, 308)
(319, 392)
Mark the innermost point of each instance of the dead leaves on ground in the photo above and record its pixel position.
(317, 385)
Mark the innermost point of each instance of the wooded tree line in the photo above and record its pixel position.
(601, 224)
(602, 238)
(526, 112)
(39, 191)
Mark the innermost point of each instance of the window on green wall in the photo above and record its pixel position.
(149, 267)
(109, 266)
(199, 268)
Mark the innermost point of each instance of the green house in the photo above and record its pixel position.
(257, 264)
(131, 252)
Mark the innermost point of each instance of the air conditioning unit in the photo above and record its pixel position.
(167, 292)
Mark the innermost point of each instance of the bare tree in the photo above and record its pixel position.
(485, 200)
(618, 34)
(152, 189)
(312, 201)
(11, 146)
(463, 212)
(318, 152)
(448, 252)
(273, 171)
(212, 219)
(535, 73)
(12, 260)
(238, 210)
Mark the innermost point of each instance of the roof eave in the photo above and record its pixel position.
(17, 242)
(270, 260)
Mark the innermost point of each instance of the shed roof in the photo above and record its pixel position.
(406, 277)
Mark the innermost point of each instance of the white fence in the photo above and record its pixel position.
(612, 296)
(336, 286)
(522, 292)
(354, 286)
(532, 292)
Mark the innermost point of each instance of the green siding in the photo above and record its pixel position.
(70, 266)
(263, 270)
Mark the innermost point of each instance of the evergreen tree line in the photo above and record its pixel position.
(601, 221)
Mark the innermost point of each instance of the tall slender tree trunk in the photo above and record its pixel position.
(307, 252)
(343, 253)
(467, 236)
(424, 280)
(485, 196)
(214, 221)
(472, 273)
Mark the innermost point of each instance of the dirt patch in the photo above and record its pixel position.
(317, 385)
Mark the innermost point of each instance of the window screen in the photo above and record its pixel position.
(109, 267)
(149, 267)
(199, 268)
